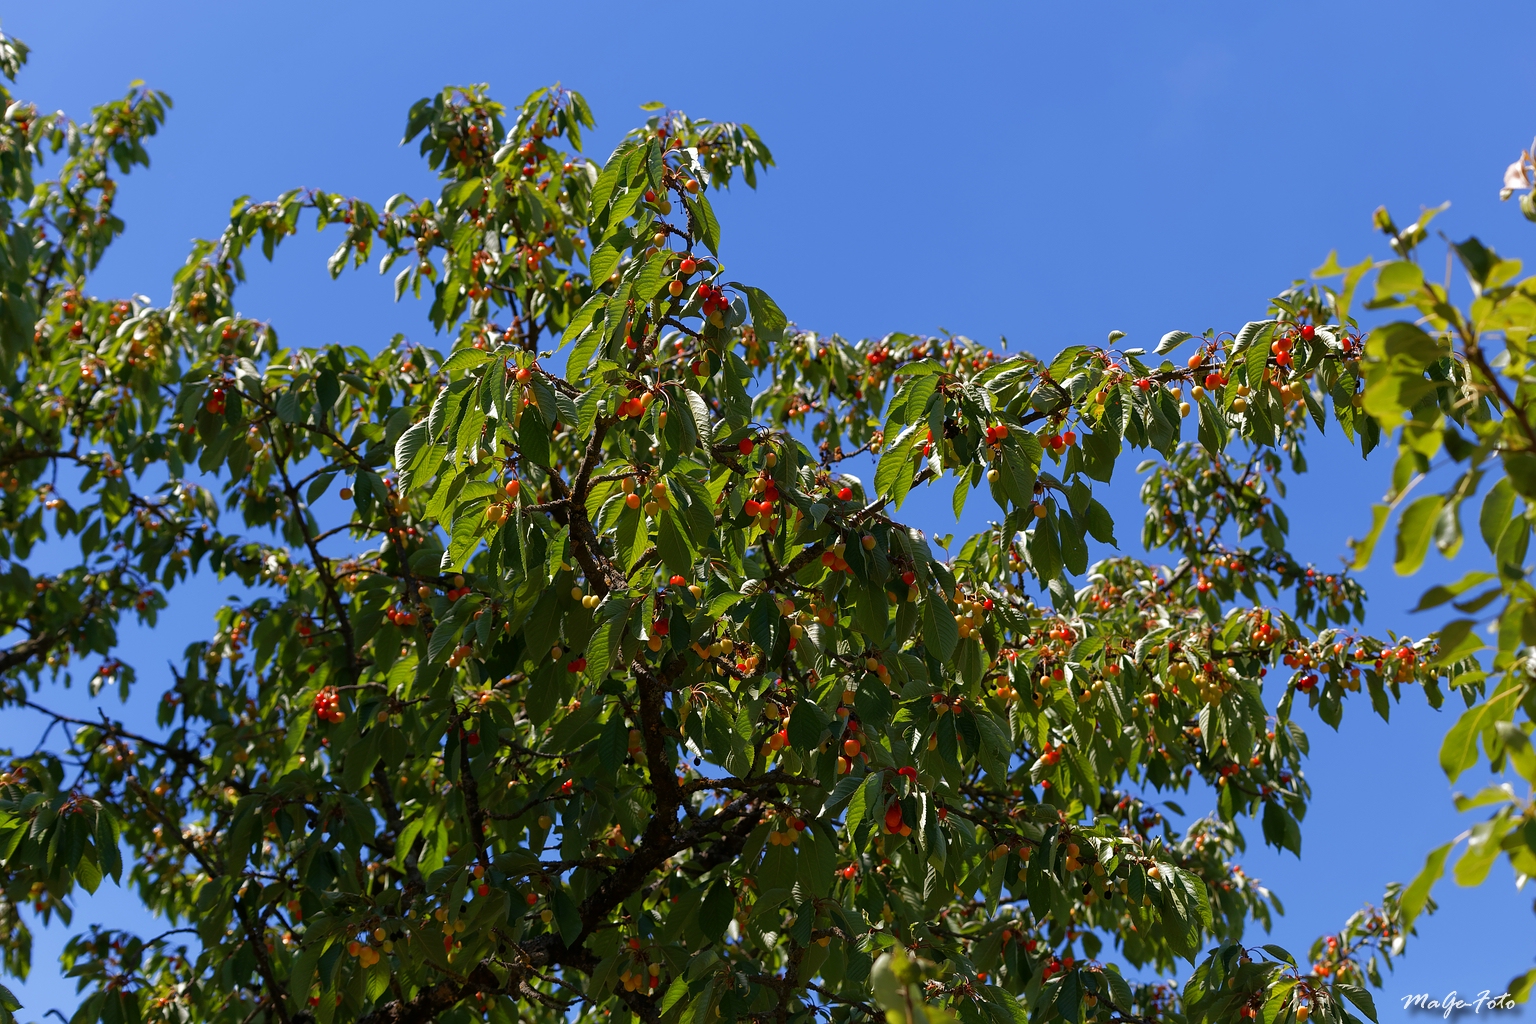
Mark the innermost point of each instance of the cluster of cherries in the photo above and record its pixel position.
(713, 298)
(1060, 442)
(635, 407)
(1055, 966)
(1281, 346)
(402, 617)
(327, 705)
(763, 504)
(1264, 634)
(215, 402)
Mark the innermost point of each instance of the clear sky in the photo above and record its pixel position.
(1048, 173)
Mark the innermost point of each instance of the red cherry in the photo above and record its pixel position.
(846, 494)
(689, 265)
(745, 446)
(909, 577)
(677, 581)
(893, 818)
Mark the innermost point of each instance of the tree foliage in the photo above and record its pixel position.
(574, 675)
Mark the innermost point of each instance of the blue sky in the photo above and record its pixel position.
(1048, 174)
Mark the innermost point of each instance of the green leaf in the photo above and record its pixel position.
(858, 809)
(604, 261)
(1518, 748)
(1359, 996)
(302, 973)
(106, 846)
(1457, 642)
(895, 466)
(1279, 953)
(467, 359)
(1414, 529)
(716, 911)
(940, 631)
(409, 443)
(702, 217)
(567, 916)
(1399, 277)
(580, 322)
(807, 722)
(1441, 593)
(1099, 524)
(1459, 750)
(672, 543)
(1498, 506)
(1365, 548)
(768, 320)
(675, 994)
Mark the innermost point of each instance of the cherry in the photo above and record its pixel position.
(893, 818)
(689, 265)
(745, 446)
(845, 494)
